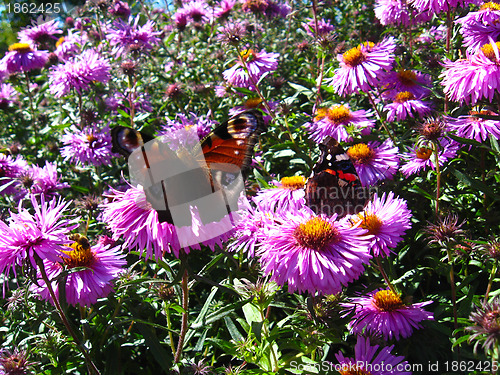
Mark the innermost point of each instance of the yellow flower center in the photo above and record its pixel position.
(248, 54)
(424, 153)
(81, 255)
(320, 114)
(370, 222)
(490, 5)
(60, 41)
(407, 77)
(91, 138)
(294, 182)
(338, 114)
(489, 51)
(253, 102)
(354, 370)
(361, 153)
(20, 47)
(354, 56)
(403, 96)
(387, 300)
(315, 234)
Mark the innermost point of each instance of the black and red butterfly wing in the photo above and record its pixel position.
(334, 186)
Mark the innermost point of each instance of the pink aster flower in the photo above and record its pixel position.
(399, 12)
(368, 359)
(481, 27)
(8, 96)
(120, 9)
(276, 9)
(22, 58)
(407, 80)
(69, 45)
(10, 170)
(252, 230)
(289, 194)
(421, 157)
(337, 120)
(314, 253)
(474, 127)
(123, 35)
(438, 6)
(257, 64)
(41, 180)
(42, 234)
(363, 66)
(39, 33)
(203, 125)
(386, 218)
(477, 77)
(324, 28)
(131, 218)
(122, 100)
(78, 73)
(405, 105)
(198, 11)
(374, 162)
(224, 8)
(383, 313)
(89, 146)
(102, 266)
(433, 34)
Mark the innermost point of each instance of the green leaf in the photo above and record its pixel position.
(473, 183)
(257, 330)
(162, 356)
(233, 330)
(123, 113)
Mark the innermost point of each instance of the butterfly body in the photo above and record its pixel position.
(334, 186)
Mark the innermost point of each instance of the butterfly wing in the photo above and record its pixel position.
(334, 186)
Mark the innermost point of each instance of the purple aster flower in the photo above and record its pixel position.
(140, 100)
(257, 64)
(131, 218)
(22, 58)
(421, 157)
(224, 8)
(90, 146)
(407, 80)
(8, 96)
(369, 359)
(10, 170)
(435, 33)
(314, 253)
(374, 162)
(406, 104)
(180, 19)
(252, 230)
(386, 218)
(37, 181)
(78, 73)
(102, 266)
(383, 313)
(481, 27)
(337, 120)
(288, 195)
(474, 78)
(69, 45)
(232, 33)
(399, 12)
(324, 28)
(474, 127)
(198, 11)
(276, 9)
(120, 9)
(28, 236)
(39, 34)
(362, 67)
(123, 35)
(203, 125)
(438, 6)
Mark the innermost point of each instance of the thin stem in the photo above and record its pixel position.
(453, 289)
(185, 303)
(131, 99)
(384, 125)
(438, 176)
(90, 365)
(490, 281)
(169, 326)
(32, 107)
(449, 27)
(384, 275)
(320, 80)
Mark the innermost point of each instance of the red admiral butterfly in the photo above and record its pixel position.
(334, 185)
(225, 153)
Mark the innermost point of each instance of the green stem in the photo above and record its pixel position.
(438, 176)
(90, 365)
(169, 326)
(184, 323)
(490, 281)
(384, 125)
(32, 107)
(384, 275)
